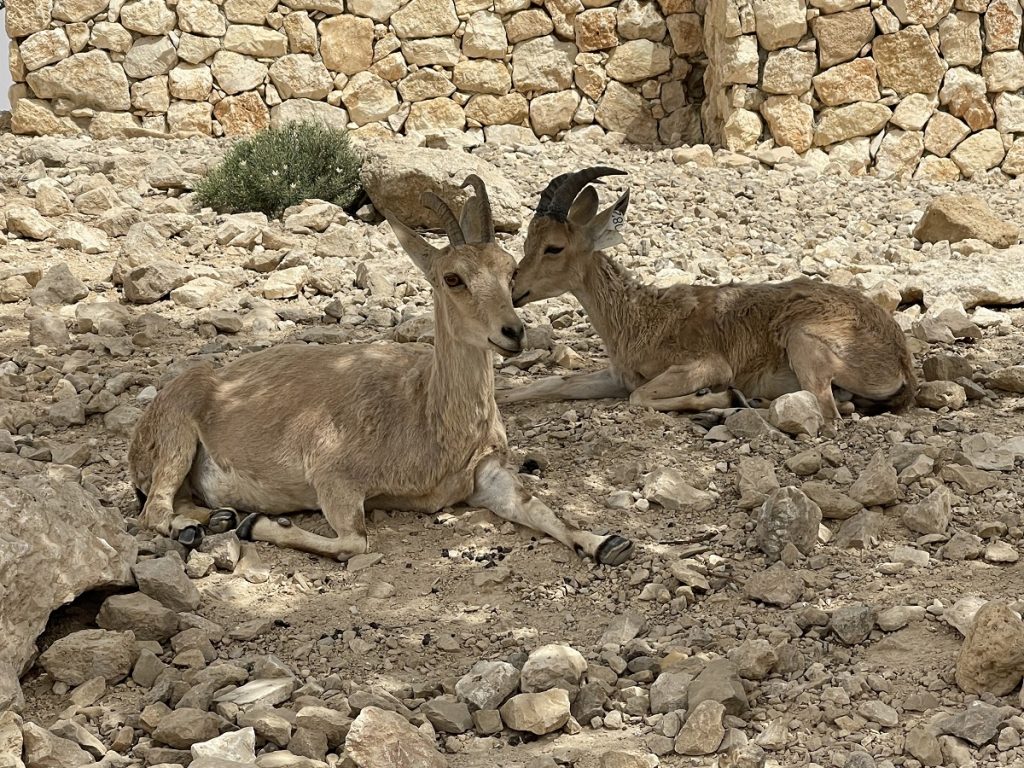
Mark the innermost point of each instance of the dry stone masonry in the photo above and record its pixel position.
(927, 87)
(933, 89)
(504, 67)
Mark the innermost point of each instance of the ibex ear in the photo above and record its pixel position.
(419, 250)
(604, 228)
(584, 208)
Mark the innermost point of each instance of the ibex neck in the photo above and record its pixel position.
(613, 301)
(461, 385)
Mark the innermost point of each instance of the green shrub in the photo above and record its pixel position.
(281, 167)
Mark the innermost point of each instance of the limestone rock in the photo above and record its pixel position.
(876, 485)
(842, 123)
(485, 36)
(553, 666)
(181, 728)
(908, 62)
(943, 133)
(61, 543)
(779, 23)
(927, 13)
(703, 731)
(148, 17)
(346, 44)
(483, 76)
(849, 83)
(853, 623)
(537, 713)
(1003, 25)
(960, 217)
(777, 585)
(488, 684)
(796, 412)
(667, 488)
(543, 65)
(595, 29)
(58, 285)
(686, 32)
(841, 36)
(963, 94)
(299, 75)
(26, 18)
(149, 57)
(382, 739)
(719, 681)
(44, 48)
(669, 691)
(979, 152)
(960, 39)
(992, 657)
(756, 480)
(164, 579)
(236, 73)
(553, 112)
(637, 60)
(201, 17)
(791, 123)
(625, 111)
(425, 18)
(90, 653)
(88, 79)
(789, 71)
(394, 180)
(148, 619)
(369, 98)
(305, 109)
(44, 748)
(739, 61)
(899, 153)
(236, 746)
(787, 517)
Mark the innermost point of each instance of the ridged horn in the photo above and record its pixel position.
(561, 191)
(476, 220)
(447, 216)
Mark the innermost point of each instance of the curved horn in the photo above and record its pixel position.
(476, 220)
(561, 191)
(447, 216)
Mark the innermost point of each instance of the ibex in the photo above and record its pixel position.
(344, 428)
(694, 348)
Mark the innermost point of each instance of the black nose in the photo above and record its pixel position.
(514, 332)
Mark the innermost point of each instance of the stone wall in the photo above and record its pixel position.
(931, 88)
(925, 87)
(229, 67)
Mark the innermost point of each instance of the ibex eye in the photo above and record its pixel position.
(452, 280)
(515, 274)
(554, 249)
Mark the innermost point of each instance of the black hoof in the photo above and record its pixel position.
(222, 520)
(244, 529)
(615, 550)
(191, 536)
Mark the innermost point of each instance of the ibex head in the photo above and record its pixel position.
(472, 276)
(565, 231)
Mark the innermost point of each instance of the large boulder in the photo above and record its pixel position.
(396, 176)
(56, 543)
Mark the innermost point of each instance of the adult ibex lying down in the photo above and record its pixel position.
(340, 428)
(689, 348)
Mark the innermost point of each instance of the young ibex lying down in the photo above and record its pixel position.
(691, 348)
(343, 428)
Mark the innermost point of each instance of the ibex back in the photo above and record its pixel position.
(341, 428)
(691, 348)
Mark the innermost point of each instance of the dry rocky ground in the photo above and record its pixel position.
(845, 652)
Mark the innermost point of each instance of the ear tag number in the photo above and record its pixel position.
(617, 220)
